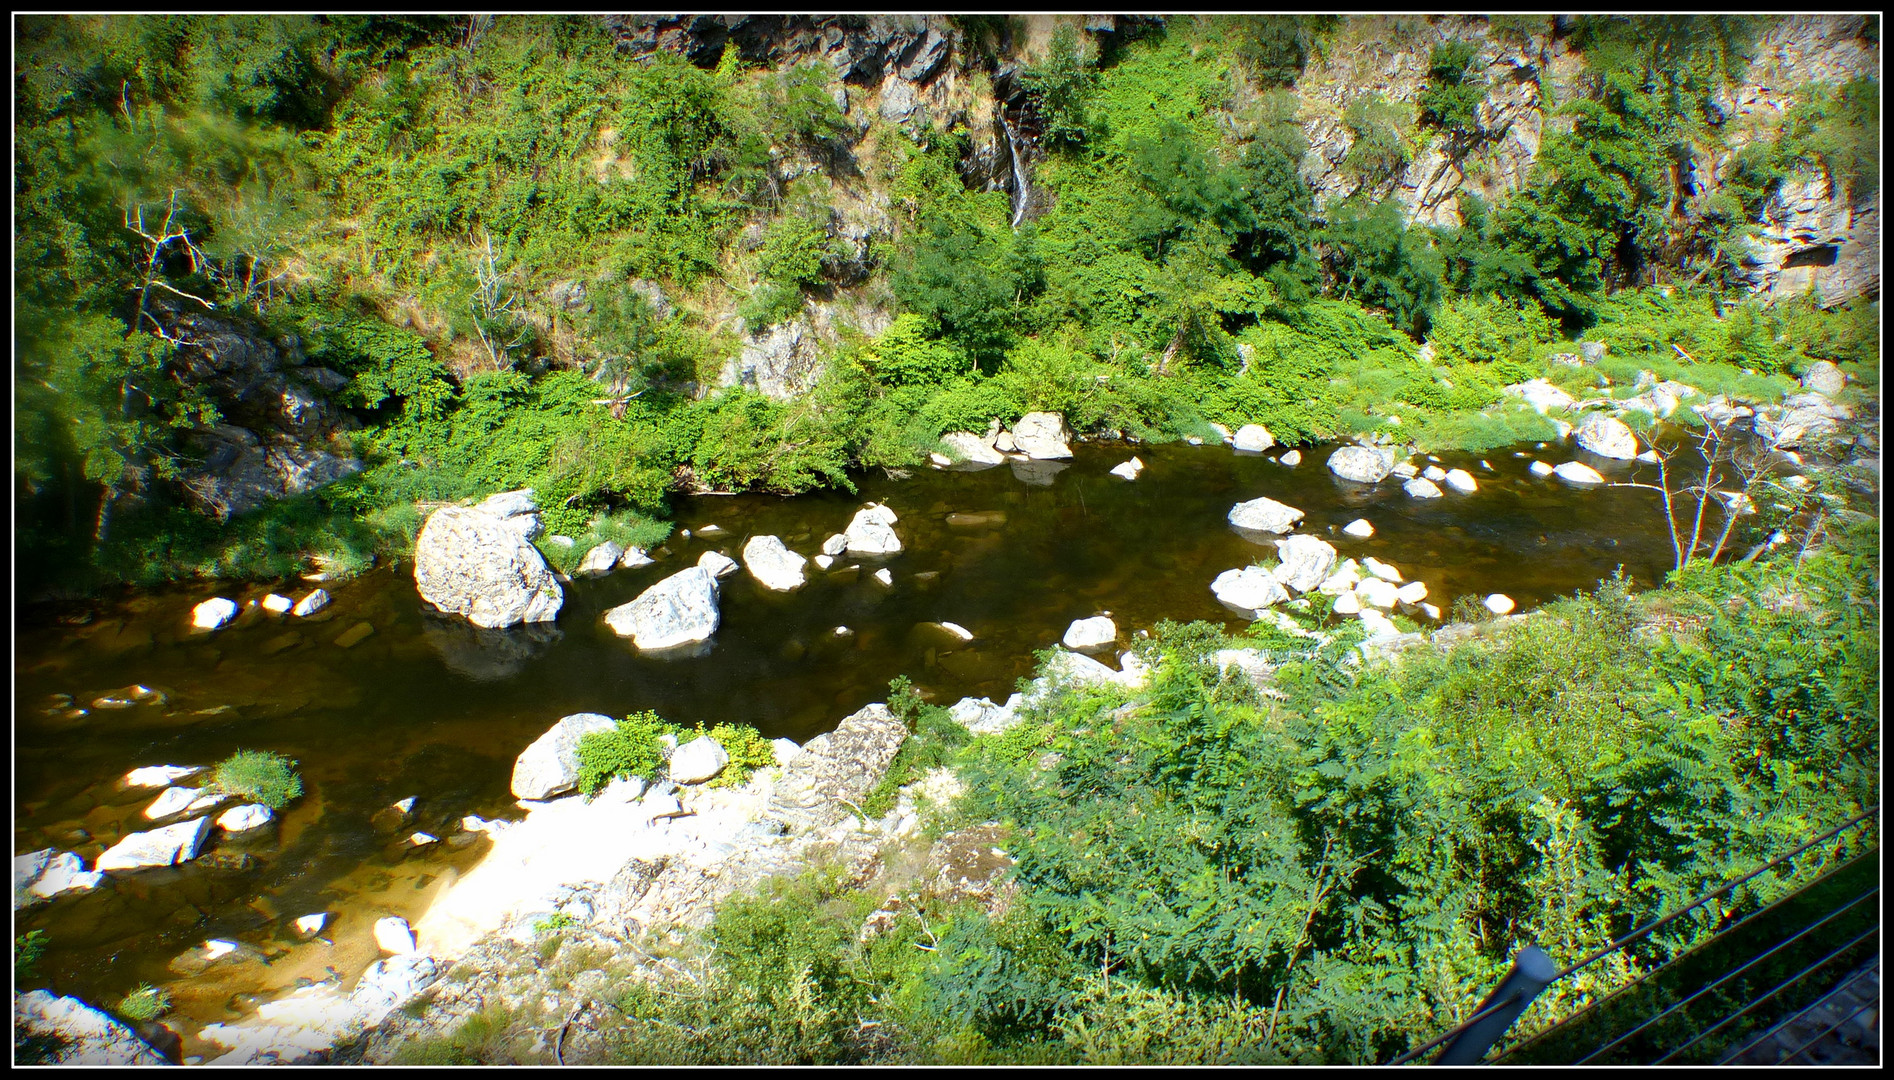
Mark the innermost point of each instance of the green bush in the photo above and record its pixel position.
(634, 748)
(1379, 150)
(1455, 88)
(144, 1004)
(748, 750)
(27, 949)
(259, 776)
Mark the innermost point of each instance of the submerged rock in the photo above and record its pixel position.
(679, 610)
(478, 562)
(550, 766)
(772, 564)
(1362, 464)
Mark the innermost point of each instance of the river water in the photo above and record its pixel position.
(430, 707)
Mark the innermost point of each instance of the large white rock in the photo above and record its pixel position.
(178, 800)
(1291, 459)
(970, 449)
(599, 561)
(468, 561)
(394, 935)
(1541, 469)
(213, 613)
(772, 564)
(1499, 603)
(1254, 438)
(1374, 592)
(1342, 579)
(1411, 593)
(168, 846)
(1043, 436)
(1129, 470)
(1384, 571)
(717, 564)
(1306, 562)
(1824, 378)
(1250, 590)
(245, 818)
(82, 1034)
(278, 604)
(1362, 464)
(697, 761)
(1360, 528)
(1461, 481)
(679, 610)
(1092, 633)
(46, 874)
(1348, 603)
(1542, 396)
(1264, 515)
(1607, 436)
(1434, 473)
(1575, 472)
(633, 558)
(1406, 470)
(835, 545)
(871, 532)
(551, 765)
(309, 605)
(1421, 488)
(160, 775)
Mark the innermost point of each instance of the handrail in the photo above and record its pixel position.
(1519, 982)
(1778, 988)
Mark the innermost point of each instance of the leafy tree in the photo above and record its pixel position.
(968, 279)
(1455, 88)
(1378, 151)
(1370, 255)
(1061, 85)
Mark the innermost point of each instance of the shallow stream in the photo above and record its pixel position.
(428, 706)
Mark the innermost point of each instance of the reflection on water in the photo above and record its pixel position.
(421, 705)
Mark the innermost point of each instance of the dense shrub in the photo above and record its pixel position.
(259, 776)
(635, 748)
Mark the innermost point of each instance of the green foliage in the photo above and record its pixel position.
(144, 1004)
(259, 776)
(1273, 49)
(1455, 88)
(633, 748)
(27, 949)
(1378, 151)
(1495, 332)
(1061, 85)
(1370, 255)
(553, 924)
(481, 1039)
(748, 750)
(932, 741)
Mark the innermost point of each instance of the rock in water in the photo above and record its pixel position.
(1607, 436)
(1411, 593)
(391, 983)
(599, 561)
(1043, 436)
(245, 818)
(1091, 633)
(1824, 378)
(551, 765)
(1462, 481)
(211, 615)
(1434, 473)
(1374, 592)
(774, 565)
(1129, 470)
(278, 604)
(468, 561)
(44, 874)
(871, 532)
(1360, 528)
(972, 451)
(160, 775)
(679, 610)
(633, 558)
(1264, 515)
(1499, 603)
(1249, 590)
(1291, 459)
(717, 564)
(1362, 464)
(394, 935)
(1573, 472)
(1254, 438)
(1541, 469)
(168, 846)
(1384, 571)
(1421, 488)
(81, 1034)
(1306, 562)
(697, 761)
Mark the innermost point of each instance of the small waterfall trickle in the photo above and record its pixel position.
(1022, 187)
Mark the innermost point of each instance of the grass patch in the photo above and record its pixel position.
(260, 776)
(144, 1004)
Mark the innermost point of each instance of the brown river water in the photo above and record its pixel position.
(430, 707)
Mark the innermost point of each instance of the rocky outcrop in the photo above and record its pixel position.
(550, 766)
(77, 1033)
(680, 610)
(860, 50)
(477, 561)
(780, 362)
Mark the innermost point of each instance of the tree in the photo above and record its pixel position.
(1061, 85)
(1729, 470)
(1455, 88)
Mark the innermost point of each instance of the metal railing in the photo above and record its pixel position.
(1532, 971)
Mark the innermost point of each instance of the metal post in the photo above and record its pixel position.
(1532, 971)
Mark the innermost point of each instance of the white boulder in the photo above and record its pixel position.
(1541, 469)
(1461, 481)
(957, 630)
(1411, 593)
(635, 557)
(1291, 459)
(1254, 438)
(784, 750)
(1362, 464)
(1384, 571)
(871, 532)
(309, 605)
(392, 982)
(550, 766)
(717, 564)
(1434, 473)
(1824, 378)
(178, 800)
(1575, 472)
(1264, 515)
(1607, 436)
(1306, 562)
(971, 449)
(1499, 603)
(982, 717)
(885, 576)
(45, 874)
(245, 818)
(1250, 590)
(1421, 488)
(1542, 395)
(394, 935)
(1129, 470)
(1379, 625)
(1043, 436)
(160, 775)
(1342, 579)
(680, 610)
(1406, 470)
(698, 760)
(601, 560)
(1348, 603)
(311, 925)
(168, 846)
(1360, 529)
(278, 604)
(79, 1033)
(772, 564)
(213, 613)
(1093, 633)
(472, 562)
(1374, 592)
(835, 545)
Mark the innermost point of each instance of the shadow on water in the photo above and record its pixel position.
(380, 698)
